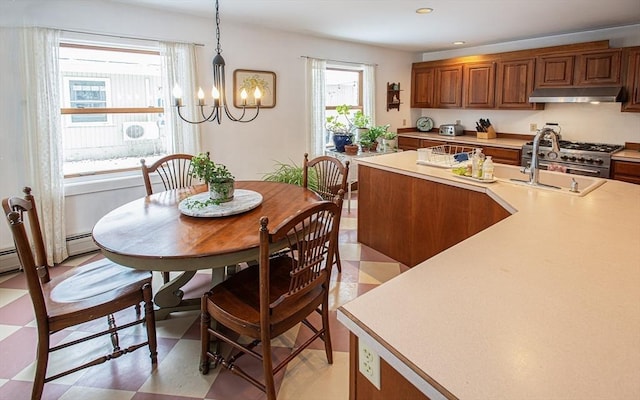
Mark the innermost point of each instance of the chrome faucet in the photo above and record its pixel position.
(534, 168)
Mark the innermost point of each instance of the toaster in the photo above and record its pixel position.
(451, 130)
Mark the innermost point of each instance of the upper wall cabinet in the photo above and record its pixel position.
(505, 80)
(554, 70)
(478, 85)
(598, 68)
(632, 79)
(422, 86)
(514, 84)
(448, 91)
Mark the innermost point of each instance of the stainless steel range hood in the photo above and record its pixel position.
(576, 95)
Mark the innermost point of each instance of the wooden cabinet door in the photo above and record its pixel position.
(502, 155)
(632, 80)
(448, 92)
(422, 87)
(408, 143)
(478, 85)
(625, 171)
(554, 71)
(598, 68)
(514, 84)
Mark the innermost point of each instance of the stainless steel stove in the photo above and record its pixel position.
(580, 158)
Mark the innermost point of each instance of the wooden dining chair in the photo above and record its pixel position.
(83, 294)
(174, 171)
(326, 176)
(264, 301)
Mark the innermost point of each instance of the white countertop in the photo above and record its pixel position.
(627, 155)
(544, 304)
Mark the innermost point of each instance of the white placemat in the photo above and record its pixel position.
(199, 205)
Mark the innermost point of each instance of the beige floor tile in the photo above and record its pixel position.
(176, 324)
(349, 251)
(309, 377)
(83, 393)
(6, 330)
(377, 272)
(178, 375)
(9, 295)
(341, 293)
(348, 223)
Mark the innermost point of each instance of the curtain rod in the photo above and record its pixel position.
(341, 61)
(123, 36)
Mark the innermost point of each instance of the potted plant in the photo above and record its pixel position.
(389, 141)
(217, 176)
(370, 139)
(340, 126)
(361, 123)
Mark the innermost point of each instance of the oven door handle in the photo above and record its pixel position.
(593, 172)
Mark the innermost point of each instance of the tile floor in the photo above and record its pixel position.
(176, 377)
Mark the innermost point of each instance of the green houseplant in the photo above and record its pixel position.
(340, 126)
(291, 173)
(370, 139)
(217, 176)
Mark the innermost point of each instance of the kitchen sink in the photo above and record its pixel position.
(552, 181)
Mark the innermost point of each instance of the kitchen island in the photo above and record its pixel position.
(543, 304)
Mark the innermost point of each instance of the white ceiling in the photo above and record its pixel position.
(395, 24)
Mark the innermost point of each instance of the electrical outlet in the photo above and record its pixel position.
(369, 363)
(404, 122)
(533, 127)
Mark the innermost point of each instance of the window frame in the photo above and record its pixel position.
(69, 111)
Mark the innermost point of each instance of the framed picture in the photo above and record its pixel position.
(250, 80)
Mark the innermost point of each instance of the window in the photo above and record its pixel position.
(342, 86)
(112, 108)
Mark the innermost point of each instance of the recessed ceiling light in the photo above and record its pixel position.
(424, 10)
(459, 42)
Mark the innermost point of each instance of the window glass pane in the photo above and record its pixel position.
(94, 78)
(343, 87)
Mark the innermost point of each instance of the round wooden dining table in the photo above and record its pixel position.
(152, 234)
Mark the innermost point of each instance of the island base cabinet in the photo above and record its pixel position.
(393, 386)
(411, 219)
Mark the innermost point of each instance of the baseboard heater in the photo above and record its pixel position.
(76, 245)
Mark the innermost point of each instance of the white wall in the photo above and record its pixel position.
(249, 150)
(579, 122)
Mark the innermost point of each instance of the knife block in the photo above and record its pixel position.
(489, 134)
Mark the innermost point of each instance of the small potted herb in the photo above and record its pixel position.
(389, 141)
(217, 176)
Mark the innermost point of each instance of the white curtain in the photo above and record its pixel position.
(316, 103)
(43, 134)
(369, 91)
(179, 67)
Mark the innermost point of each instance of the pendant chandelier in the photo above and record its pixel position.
(217, 92)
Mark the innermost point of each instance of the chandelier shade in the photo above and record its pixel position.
(218, 92)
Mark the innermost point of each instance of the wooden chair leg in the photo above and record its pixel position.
(150, 323)
(327, 332)
(42, 359)
(267, 368)
(338, 263)
(205, 322)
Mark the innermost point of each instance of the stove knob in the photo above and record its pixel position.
(541, 155)
(581, 159)
(589, 160)
(572, 158)
(529, 152)
(565, 158)
(599, 161)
